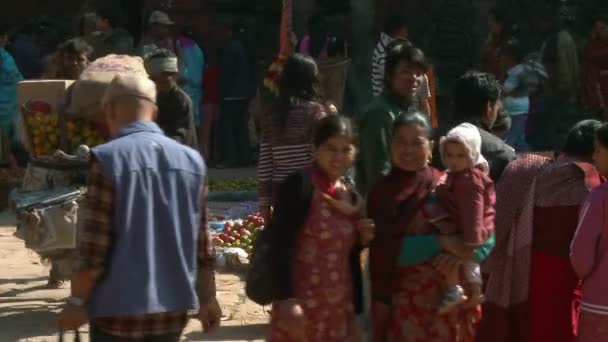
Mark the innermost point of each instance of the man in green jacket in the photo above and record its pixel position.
(405, 67)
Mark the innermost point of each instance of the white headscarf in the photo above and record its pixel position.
(467, 135)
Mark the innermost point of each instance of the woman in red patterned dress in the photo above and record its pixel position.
(406, 263)
(316, 250)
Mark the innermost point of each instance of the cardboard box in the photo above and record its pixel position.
(52, 92)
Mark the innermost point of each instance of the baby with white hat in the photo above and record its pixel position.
(467, 201)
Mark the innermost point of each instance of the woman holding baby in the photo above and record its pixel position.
(423, 259)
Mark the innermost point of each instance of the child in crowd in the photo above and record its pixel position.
(467, 200)
(589, 252)
(516, 94)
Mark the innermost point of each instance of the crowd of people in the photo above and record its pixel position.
(193, 95)
(431, 229)
(471, 235)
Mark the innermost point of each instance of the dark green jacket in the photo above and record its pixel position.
(375, 133)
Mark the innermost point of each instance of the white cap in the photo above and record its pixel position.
(467, 135)
(129, 85)
(159, 17)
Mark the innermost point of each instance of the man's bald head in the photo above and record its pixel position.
(128, 99)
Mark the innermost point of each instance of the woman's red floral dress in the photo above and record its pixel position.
(322, 278)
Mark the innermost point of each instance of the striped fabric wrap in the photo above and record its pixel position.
(285, 147)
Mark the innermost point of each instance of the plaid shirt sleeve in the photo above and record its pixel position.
(206, 252)
(95, 233)
(94, 248)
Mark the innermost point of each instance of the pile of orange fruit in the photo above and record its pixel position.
(43, 132)
(82, 132)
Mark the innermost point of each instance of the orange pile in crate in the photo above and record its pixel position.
(43, 129)
(82, 132)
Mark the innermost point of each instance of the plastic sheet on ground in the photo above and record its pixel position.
(232, 210)
(232, 259)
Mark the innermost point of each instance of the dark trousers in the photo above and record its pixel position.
(96, 335)
(552, 123)
(234, 133)
(517, 135)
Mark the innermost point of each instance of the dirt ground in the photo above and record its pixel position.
(28, 311)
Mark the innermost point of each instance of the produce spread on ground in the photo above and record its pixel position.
(241, 233)
(236, 184)
(235, 227)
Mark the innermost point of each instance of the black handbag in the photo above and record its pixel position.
(291, 213)
(76, 336)
(260, 284)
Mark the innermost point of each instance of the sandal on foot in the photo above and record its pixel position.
(473, 302)
(54, 284)
(452, 297)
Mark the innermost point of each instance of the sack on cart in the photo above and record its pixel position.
(60, 170)
(48, 219)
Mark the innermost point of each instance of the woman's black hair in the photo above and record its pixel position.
(333, 126)
(414, 118)
(402, 51)
(601, 135)
(580, 139)
(299, 80)
(75, 47)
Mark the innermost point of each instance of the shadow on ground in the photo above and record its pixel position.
(21, 281)
(232, 333)
(7, 219)
(14, 316)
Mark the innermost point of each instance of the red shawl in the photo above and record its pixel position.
(393, 203)
(527, 183)
(325, 185)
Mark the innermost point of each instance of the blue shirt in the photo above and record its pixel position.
(517, 99)
(152, 267)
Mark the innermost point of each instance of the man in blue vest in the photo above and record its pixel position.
(146, 258)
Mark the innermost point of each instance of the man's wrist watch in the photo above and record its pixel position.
(76, 301)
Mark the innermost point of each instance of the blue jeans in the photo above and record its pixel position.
(517, 135)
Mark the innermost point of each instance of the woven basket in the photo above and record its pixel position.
(333, 80)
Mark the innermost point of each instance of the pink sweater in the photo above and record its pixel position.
(589, 251)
